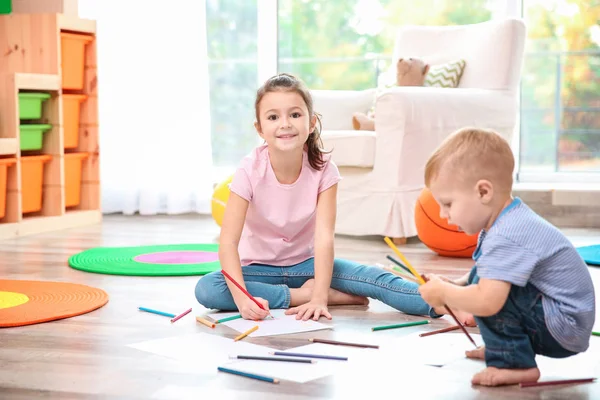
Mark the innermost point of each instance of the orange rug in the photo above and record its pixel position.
(32, 302)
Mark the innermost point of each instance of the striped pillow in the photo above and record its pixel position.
(445, 75)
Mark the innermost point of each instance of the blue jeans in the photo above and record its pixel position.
(273, 284)
(518, 331)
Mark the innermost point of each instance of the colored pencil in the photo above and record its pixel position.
(243, 335)
(448, 329)
(422, 281)
(398, 263)
(557, 382)
(396, 271)
(186, 312)
(285, 353)
(406, 263)
(247, 375)
(243, 290)
(596, 333)
(286, 359)
(206, 322)
(219, 321)
(156, 312)
(335, 342)
(403, 325)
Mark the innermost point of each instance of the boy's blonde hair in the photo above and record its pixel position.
(473, 154)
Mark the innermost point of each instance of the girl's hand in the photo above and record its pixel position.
(249, 309)
(312, 309)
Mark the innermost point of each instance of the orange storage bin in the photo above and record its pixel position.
(73, 59)
(32, 181)
(4, 164)
(73, 168)
(71, 113)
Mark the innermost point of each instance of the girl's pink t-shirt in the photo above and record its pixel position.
(280, 223)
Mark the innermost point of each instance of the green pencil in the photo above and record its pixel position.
(228, 319)
(404, 325)
(596, 333)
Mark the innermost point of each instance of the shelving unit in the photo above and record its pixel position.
(34, 63)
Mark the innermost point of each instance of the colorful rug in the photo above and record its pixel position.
(591, 254)
(160, 260)
(33, 302)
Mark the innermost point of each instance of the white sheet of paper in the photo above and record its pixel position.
(281, 324)
(201, 350)
(302, 373)
(436, 350)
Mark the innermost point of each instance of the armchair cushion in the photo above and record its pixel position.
(350, 148)
(445, 75)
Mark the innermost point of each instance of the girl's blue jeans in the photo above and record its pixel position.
(273, 284)
(518, 331)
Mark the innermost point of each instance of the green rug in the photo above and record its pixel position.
(160, 260)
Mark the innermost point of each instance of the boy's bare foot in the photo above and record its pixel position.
(492, 376)
(335, 297)
(478, 353)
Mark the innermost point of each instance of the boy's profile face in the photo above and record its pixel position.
(461, 203)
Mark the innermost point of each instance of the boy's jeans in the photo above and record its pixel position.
(273, 284)
(518, 332)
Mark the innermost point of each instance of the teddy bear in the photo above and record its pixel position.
(409, 72)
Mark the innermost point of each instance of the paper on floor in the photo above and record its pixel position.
(281, 324)
(295, 372)
(205, 352)
(436, 350)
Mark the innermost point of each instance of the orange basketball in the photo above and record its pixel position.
(437, 234)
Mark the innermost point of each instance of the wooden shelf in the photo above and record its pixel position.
(33, 62)
(36, 225)
(37, 81)
(9, 146)
(71, 23)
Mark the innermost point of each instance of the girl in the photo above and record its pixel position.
(277, 234)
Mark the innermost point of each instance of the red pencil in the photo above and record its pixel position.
(181, 315)
(243, 290)
(559, 382)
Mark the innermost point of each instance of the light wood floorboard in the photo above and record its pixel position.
(87, 357)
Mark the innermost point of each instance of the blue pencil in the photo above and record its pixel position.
(156, 312)
(247, 375)
(285, 353)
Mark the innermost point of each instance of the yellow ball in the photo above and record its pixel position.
(219, 200)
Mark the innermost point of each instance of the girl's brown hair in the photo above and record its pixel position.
(289, 83)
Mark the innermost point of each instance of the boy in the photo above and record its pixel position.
(530, 291)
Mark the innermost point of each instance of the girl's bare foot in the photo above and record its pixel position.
(304, 293)
(478, 353)
(464, 317)
(492, 376)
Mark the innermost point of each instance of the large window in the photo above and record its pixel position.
(232, 52)
(560, 107)
(346, 44)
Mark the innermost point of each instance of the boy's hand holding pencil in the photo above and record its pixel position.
(432, 290)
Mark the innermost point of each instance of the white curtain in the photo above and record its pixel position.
(154, 114)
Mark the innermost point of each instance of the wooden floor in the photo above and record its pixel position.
(87, 357)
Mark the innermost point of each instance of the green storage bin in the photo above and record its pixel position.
(32, 136)
(5, 6)
(30, 105)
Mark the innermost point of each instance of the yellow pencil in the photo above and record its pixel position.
(243, 335)
(391, 244)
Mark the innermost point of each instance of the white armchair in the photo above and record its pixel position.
(383, 170)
